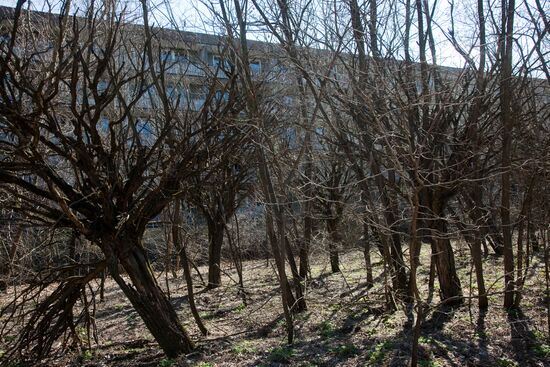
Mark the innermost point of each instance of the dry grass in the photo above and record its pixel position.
(345, 324)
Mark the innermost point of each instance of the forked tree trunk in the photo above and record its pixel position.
(298, 287)
(148, 299)
(442, 251)
(449, 283)
(482, 218)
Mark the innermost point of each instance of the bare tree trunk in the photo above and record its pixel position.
(431, 210)
(297, 280)
(397, 261)
(102, 286)
(431, 276)
(519, 268)
(506, 48)
(533, 237)
(483, 302)
(308, 172)
(168, 268)
(451, 290)
(474, 241)
(546, 249)
(334, 243)
(3, 277)
(495, 236)
(473, 237)
(366, 253)
(6, 263)
(523, 236)
(190, 292)
(236, 254)
(274, 211)
(287, 297)
(180, 247)
(414, 291)
(147, 298)
(215, 242)
(389, 274)
(306, 243)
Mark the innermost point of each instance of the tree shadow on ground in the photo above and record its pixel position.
(439, 317)
(431, 342)
(522, 338)
(483, 351)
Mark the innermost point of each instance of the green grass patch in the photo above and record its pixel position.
(506, 362)
(87, 355)
(428, 363)
(538, 335)
(424, 339)
(281, 354)
(326, 329)
(244, 347)
(134, 350)
(345, 350)
(482, 334)
(166, 362)
(542, 350)
(303, 316)
(379, 352)
(205, 364)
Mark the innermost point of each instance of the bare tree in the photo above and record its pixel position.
(89, 119)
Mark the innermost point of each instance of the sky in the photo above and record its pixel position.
(194, 15)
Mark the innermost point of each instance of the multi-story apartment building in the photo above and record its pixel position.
(196, 68)
(192, 64)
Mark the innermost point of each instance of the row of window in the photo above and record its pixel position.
(181, 97)
(145, 130)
